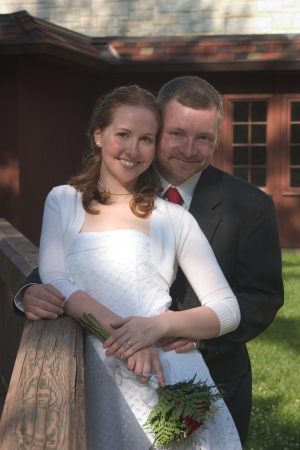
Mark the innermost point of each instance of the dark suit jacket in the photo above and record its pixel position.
(239, 220)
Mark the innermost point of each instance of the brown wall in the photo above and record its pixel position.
(46, 107)
(54, 107)
(9, 158)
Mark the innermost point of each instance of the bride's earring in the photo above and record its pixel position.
(97, 136)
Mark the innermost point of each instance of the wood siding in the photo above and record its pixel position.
(45, 117)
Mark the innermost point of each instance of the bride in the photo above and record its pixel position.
(113, 249)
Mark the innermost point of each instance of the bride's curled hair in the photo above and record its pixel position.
(86, 181)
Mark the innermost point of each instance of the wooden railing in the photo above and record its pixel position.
(44, 407)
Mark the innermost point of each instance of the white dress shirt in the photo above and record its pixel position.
(186, 189)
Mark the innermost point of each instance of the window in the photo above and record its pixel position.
(260, 143)
(250, 141)
(295, 144)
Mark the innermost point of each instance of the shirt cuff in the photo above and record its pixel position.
(18, 299)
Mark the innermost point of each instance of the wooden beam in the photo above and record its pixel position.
(18, 256)
(44, 408)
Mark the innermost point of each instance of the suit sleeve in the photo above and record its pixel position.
(33, 278)
(259, 286)
(258, 282)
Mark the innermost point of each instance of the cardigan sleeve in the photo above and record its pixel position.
(198, 262)
(52, 266)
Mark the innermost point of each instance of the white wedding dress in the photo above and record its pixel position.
(115, 268)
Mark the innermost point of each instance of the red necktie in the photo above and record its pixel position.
(173, 196)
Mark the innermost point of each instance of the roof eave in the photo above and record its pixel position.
(55, 50)
(211, 66)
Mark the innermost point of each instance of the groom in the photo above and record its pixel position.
(237, 218)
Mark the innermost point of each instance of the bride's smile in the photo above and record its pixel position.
(128, 164)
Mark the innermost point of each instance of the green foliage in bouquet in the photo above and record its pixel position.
(182, 408)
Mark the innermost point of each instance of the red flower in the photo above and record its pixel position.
(192, 423)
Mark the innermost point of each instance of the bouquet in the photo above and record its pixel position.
(182, 408)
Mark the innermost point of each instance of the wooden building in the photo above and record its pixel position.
(50, 78)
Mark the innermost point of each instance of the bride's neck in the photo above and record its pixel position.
(116, 188)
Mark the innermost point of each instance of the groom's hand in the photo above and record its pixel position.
(180, 345)
(43, 301)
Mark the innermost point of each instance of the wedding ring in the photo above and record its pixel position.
(130, 344)
(195, 345)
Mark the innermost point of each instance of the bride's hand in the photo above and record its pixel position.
(142, 361)
(132, 334)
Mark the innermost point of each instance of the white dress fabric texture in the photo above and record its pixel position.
(127, 272)
(116, 267)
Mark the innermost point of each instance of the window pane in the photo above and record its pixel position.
(240, 134)
(258, 134)
(295, 156)
(258, 177)
(241, 173)
(258, 156)
(240, 156)
(259, 112)
(295, 111)
(295, 177)
(295, 134)
(240, 111)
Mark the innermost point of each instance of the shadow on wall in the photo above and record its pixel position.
(9, 187)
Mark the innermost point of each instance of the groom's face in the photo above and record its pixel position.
(187, 141)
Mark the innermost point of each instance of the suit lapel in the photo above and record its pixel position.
(206, 207)
(206, 202)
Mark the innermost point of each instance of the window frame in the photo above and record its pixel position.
(286, 120)
(228, 118)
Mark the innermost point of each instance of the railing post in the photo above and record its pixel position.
(44, 407)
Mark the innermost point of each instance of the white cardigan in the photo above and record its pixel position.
(175, 238)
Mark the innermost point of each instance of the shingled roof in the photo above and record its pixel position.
(24, 33)
(224, 48)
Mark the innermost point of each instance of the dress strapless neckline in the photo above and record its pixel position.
(115, 231)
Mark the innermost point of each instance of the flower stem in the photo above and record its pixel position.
(89, 322)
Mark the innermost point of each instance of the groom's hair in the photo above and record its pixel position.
(193, 92)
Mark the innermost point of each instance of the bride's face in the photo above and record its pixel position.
(128, 146)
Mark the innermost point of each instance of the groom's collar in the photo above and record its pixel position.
(186, 189)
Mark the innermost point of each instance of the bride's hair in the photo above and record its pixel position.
(86, 181)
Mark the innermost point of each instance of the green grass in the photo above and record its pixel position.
(275, 358)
